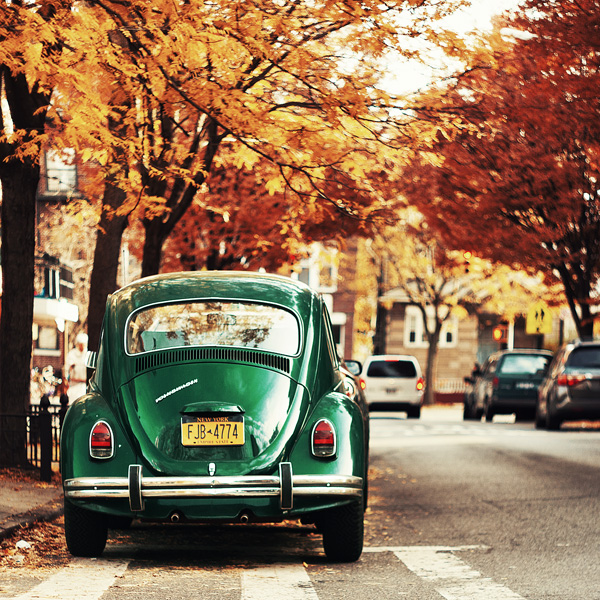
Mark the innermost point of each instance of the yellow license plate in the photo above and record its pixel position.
(212, 431)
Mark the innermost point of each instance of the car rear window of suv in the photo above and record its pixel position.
(392, 368)
(585, 357)
(523, 364)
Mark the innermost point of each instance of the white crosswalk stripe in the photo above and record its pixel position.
(82, 579)
(452, 577)
(280, 581)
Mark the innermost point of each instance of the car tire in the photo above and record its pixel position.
(86, 532)
(343, 532)
(467, 411)
(488, 411)
(553, 421)
(540, 420)
(414, 412)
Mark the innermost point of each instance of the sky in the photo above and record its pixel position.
(414, 76)
(479, 14)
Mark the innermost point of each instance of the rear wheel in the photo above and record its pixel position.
(488, 411)
(553, 421)
(85, 531)
(413, 412)
(540, 421)
(343, 532)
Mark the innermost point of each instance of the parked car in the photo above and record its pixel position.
(216, 397)
(571, 389)
(393, 381)
(507, 383)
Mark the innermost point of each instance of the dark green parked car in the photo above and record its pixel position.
(216, 397)
(507, 383)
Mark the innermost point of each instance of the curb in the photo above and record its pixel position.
(47, 512)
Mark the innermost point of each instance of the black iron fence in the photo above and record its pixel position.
(34, 435)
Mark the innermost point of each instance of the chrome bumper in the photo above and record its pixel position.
(285, 485)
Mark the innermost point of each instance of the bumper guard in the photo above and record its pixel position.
(285, 485)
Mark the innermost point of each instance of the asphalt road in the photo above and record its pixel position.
(459, 510)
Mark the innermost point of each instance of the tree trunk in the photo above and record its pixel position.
(103, 281)
(430, 370)
(155, 235)
(158, 228)
(19, 186)
(578, 296)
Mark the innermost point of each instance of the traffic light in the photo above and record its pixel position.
(467, 254)
(500, 334)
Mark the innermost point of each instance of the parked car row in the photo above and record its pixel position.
(536, 384)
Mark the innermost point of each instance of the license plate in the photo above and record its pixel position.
(212, 431)
(391, 390)
(525, 385)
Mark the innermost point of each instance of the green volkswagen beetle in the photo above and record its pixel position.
(216, 397)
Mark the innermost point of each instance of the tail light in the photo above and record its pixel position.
(323, 439)
(495, 383)
(570, 380)
(420, 384)
(101, 440)
(362, 383)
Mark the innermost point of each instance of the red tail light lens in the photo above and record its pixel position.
(495, 382)
(570, 380)
(362, 383)
(420, 384)
(323, 439)
(101, 440)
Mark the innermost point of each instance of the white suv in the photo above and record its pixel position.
(393, 381)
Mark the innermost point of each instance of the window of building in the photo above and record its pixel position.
(47, 338)
(414, 330)
(61, 171)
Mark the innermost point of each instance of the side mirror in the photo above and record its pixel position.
(91, 360)
(354, 366)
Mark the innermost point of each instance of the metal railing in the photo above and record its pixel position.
(38, 428)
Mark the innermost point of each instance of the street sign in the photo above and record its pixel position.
(539, 319)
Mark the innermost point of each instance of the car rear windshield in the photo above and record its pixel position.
(214, 323)
(392, 368)
(523, 364)
(585, 357)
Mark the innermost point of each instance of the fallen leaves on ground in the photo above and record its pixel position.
(47, 547)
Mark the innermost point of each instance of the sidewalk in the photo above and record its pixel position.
(24, 499)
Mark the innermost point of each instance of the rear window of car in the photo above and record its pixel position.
(214, 323)
(522, 364)
(392, 368)
(585, 357)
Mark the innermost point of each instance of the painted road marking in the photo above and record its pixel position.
(452, 578)
(280, 581)
(82, 579)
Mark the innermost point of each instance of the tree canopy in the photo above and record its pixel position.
(291, 85)
(519, 183)
(149, 92)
